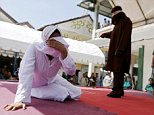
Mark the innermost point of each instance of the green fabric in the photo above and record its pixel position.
(149, 88)
(127, 85)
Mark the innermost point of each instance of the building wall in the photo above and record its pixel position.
(79, 29)
(78, 66)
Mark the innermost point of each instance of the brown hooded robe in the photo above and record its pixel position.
(120, 40)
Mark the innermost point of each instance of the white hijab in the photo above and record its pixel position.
(47, 31)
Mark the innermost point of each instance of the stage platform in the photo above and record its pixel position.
(93, 102)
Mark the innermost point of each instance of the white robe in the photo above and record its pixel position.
(38, 77)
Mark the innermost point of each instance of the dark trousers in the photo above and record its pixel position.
(118, 82)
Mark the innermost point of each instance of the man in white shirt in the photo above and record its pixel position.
(38, 73)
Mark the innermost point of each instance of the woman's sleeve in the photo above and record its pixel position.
(68, 65)
(26, 73)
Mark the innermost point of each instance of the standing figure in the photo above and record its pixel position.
(38, 72)
(119, 54)
(152, 65)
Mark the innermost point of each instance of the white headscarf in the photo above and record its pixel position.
(47, 31)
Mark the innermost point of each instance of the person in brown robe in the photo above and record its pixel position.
(119, 53)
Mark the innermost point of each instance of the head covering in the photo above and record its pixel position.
(116, 8)
(46, 33)
(117, 14)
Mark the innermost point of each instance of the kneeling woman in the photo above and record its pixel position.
(38, 73)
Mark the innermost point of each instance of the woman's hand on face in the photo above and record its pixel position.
(15, 106)
(58, 46)
(54, 44)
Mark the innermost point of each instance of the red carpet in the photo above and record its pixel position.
(93, 102)
(133, 103)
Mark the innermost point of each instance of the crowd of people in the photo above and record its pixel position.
(6, 74)
(93, 81)
(96, 80)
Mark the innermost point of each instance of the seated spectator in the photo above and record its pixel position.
(127, 82)
(84, 80)
(150, 86)
(92, 80)
(108, 80)
(1, 74)
(7, 74)
(75, 79)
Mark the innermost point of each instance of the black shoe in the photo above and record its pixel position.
(122, 94)
(118, 92)
(114, 95)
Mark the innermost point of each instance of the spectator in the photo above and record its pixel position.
(150, 86)
(84, 80)
(1, 74)
(92, 80)
(99, 25)
(127, 82)
(108, 80)
(105, 23)
(108, 23)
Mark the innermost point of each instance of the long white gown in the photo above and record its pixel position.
(38, 77)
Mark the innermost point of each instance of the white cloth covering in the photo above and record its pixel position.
(38, 76)
(48, 50)
(47, 31)
(60, 89)
(45, 36)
